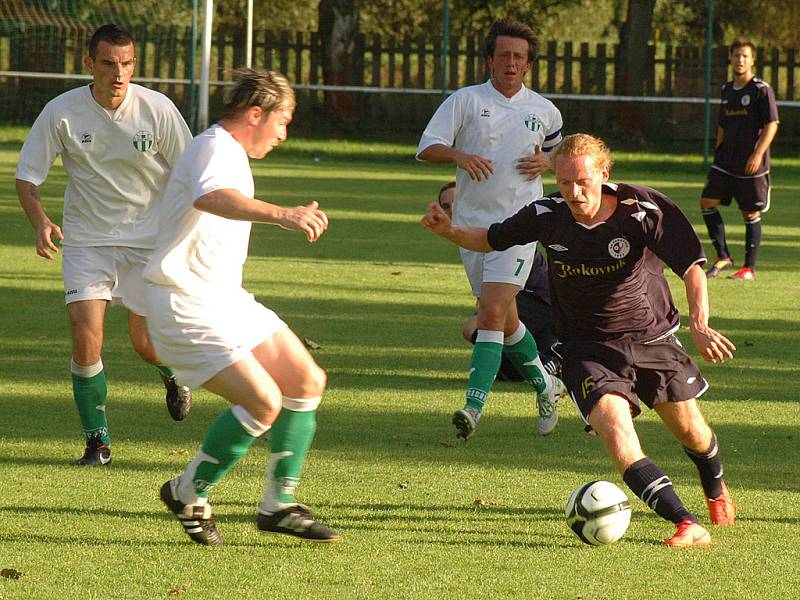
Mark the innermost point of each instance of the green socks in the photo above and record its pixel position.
(231, 436)
(165, 371)
(91, 394)
(291, 437)
(228, 440)
(485, 363)
(520, 348)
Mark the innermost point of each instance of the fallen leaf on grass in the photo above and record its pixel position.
(396, 272)
(403, 485)
(180, 452)
(311, 344)
(177, 591)
(11, 573)
(481, 502)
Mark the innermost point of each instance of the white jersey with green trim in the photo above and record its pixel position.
(117, 162)
(197, 252)
(480, 120)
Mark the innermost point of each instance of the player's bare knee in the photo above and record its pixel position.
(86, 348)
(266, 406)
(309, 382)
(470, 328)
(492, 317)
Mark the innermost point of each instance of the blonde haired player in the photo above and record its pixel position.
(214, 334)
(118, 142)
(616, 320)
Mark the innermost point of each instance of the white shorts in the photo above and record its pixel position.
(509, 266)
(199, 337)
(111, 273)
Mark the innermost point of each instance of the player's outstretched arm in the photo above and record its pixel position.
(476, 166)
(232, 204)
(46, 230)
(471, 238)
(713, 346)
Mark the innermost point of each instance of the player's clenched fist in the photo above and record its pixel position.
(308, 219)
(436, 219)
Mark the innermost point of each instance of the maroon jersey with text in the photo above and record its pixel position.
(742, 116)
(607, 280)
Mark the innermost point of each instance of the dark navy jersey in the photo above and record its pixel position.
(607, 280)
(742, 116)
(537, 283)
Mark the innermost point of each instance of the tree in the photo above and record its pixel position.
(338, 27)
(634, 37)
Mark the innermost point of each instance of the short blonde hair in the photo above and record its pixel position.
(267, 89)
(583, 144)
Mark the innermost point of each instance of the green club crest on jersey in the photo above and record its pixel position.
(143, 140)
(533, 123)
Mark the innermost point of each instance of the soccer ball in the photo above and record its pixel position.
(598, 512)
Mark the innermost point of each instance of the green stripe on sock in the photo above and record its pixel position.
(291, 437)
(524, 356)
(91, 396)
(483, 369)
(226, 442)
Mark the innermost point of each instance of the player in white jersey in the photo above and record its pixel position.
(214, 334)
(498, 134)
(118, 142)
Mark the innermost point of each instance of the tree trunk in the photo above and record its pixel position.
(338, 26)
(634, 36)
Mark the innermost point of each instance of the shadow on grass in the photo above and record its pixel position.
(756, 457)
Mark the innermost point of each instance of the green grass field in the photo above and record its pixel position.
(422, 515)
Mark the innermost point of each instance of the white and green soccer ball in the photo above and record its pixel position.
(598, 512)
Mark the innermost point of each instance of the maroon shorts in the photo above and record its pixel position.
(650, 373)
(751, 193)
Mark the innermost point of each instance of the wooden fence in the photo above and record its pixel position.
(380, 62)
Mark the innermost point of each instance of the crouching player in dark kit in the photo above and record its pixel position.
(607, 245)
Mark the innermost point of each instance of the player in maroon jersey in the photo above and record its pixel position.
(748, 121)
(607, 245)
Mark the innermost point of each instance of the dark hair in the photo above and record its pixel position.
(268, 89)
(110, 33)
(444, 188)
(510, 28)
(742, 43)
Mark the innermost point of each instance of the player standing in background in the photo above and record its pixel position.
(214, 333)
(748, 122)
(616, 319)
(118, 142)
(498, 135)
